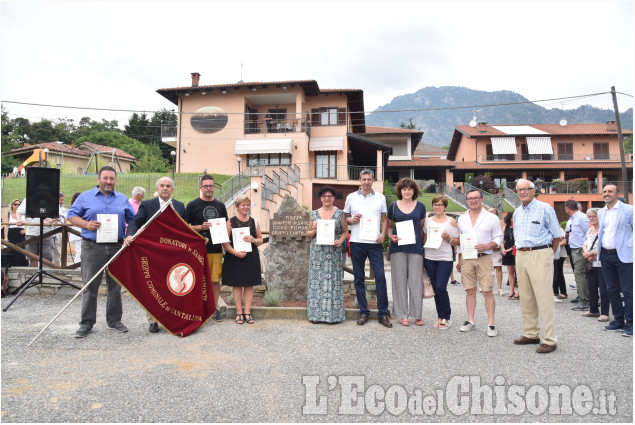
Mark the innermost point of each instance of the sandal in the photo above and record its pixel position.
(436, 324)
(405, 322)
(248, 318)
(500, 292)
(419, 322)
(443, 324)
(511, 296)
(515, 297)
(239, 319)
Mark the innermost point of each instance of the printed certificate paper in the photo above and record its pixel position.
(434, 239)
(406, 232)
(239, 243)
(218, 230)
(109, 229)
(468, 246)
(325, 232)
(369, 228)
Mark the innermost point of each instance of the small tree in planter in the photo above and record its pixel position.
(487, 183)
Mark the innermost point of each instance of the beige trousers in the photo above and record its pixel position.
(534, 271)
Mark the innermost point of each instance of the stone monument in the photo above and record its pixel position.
(288, 252)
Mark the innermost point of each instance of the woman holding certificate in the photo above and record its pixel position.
(327, 231)
(440, 230)
(241, 266)
(406, 251)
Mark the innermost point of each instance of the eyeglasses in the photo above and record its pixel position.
(327, 196)
(438, 205)
(208, 186)
(525, 189)
(16, 204)
(473, 199)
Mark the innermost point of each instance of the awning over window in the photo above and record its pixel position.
(539, 146)
(326, 144)
(245, 147)
(503, 145)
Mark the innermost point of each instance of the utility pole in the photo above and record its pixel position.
(621, 143)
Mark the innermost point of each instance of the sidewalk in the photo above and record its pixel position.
(266, 372)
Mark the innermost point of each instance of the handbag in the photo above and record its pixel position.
(428, 290)
(588, 265)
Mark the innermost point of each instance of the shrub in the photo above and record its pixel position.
(487, 186)
(272, 298)
(430, 189)
(230, 300)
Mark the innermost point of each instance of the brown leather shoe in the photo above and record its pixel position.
(523, 340)
(545, 348)
(384, 321)
(362, 319)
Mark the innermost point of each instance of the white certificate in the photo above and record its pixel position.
(108, 231)
(406, 232)
(369, 228)
(325, 232)
(434, 239)
(238, 236)
(218, 230)
(468, 246)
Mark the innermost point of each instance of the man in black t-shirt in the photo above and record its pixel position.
(197, 214)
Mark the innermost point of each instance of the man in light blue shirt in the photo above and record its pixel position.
(537, 234)
(579, 225)
(84, 213)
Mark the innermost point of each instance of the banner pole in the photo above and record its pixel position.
(98, 273)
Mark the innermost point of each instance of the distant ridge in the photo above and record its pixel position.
(438, 126)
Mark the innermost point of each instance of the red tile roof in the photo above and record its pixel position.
(542, 165)
(425, 149)
(389, 130)
(107, 149)
(422, 162)
(591, 129)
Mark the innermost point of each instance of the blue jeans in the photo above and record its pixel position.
(372, 251)
(439, 273)
(618, 277)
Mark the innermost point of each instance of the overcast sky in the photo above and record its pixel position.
(116, 55)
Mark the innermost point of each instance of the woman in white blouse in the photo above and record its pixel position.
(438, 261)
(595, 277)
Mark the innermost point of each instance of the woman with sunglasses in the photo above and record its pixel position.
(14, 232)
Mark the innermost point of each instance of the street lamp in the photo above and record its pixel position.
(46, 157)
(173, 155)
(62, 146)
(239, 159)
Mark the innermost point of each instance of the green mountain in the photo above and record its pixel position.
(438, 124)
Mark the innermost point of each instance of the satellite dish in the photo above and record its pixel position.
(563, 122)
(473, 123)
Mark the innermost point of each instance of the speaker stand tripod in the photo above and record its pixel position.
(37, 275)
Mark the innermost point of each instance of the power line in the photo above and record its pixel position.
(312, 113)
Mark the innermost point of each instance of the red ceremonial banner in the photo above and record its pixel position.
(165, 269)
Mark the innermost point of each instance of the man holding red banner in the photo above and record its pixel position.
(147, 209)
(165, 268)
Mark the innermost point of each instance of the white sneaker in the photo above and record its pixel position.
(491, 330)
(556, 300)
(467, 326)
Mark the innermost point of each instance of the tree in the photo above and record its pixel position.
(161, 118)
(138, 127)
(628, 145)
(410, 126)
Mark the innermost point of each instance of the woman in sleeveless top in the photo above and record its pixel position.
(241, 269)
(14, 233)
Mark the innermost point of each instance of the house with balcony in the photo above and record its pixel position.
(278, 130)
(554, 156)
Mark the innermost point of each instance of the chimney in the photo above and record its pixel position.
(195, 78)
(482, 127)
(611, 126)
(73, 144)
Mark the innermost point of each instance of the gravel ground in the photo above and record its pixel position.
(294, 371)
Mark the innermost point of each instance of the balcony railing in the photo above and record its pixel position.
(575, 187)
(276, 126)
(168, 131)
(554, 157)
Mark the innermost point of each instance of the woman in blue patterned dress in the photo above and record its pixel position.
(325, 301)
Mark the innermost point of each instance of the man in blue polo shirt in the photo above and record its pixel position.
(366, 215)
(83, 213)
(577, 236)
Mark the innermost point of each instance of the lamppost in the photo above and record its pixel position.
(173, 155)
(239, 159)
(62, 146)
(46, 157)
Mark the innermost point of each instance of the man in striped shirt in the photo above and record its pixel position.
(537, 234)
